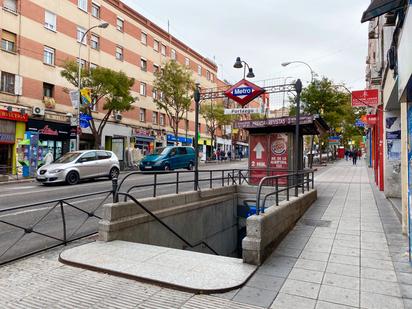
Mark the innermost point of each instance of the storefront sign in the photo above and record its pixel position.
(15, 116)
(50, 130)
(334, 140)
(6, 138)
(180, 139)
(243, 92)
(365, 98)
(273, 122)
(141, 132)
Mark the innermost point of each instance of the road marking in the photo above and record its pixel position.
(21, 188)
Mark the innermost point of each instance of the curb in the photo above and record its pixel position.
(11, 182)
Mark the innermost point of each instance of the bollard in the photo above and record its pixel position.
(114, 188)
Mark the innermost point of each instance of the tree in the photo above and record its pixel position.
(107, 86)
(214, 115)
(174, 86)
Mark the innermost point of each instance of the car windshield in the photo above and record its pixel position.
(68, 157)
(161, 151)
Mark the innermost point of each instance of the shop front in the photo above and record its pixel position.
(181, 140)
(205, 148)
(12, 127)
(55, 137)
(143, 140)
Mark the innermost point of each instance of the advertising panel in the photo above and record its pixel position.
(279, 155)
(365, 98)
(258, 159)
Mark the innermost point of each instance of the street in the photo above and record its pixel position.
(47, 219)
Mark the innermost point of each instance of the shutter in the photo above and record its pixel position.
(18, 85)
(8, 36)
(10, 4)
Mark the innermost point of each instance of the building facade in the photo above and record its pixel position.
(38, 36)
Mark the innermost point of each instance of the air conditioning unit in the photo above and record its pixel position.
(38, 111)
(118, 117)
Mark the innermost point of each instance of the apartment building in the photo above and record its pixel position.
(38, 36)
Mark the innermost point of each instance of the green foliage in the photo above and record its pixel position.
(107, 86)
(175, 86)
(214, 114)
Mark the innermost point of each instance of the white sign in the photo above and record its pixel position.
(238, 111)
(259, 149)
(74, 97)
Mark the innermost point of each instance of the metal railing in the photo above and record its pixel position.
(293, 180)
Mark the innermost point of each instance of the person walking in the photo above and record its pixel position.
(354, 156)
(347, 154)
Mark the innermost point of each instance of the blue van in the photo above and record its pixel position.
(169, 158)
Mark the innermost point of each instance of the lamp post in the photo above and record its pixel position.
(79, 83)
(196, 97)
(312, 73)
(298, 88)
(242, 64)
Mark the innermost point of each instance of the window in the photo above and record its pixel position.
(10, 5)
(154, 94)
(143, 38)
(82, 63)
(187, 62)
(95, 41)
(142, 89)
(142, 115)
(7, 82)
(8, 41)
(50, 20)
(88, 156)
(155, 116)
(155, 68)
(163, 51)
(48, 55)
(208, 75)
(212, 78)
(48, 90)
(199, 70)
(181, 150)
(82, 4)
(119, 53)
(95, 10)
(120, 24)
(173, 54)
(80, 34)
(156, 45)
(102, 155)
(143, 64)
(93, 66)
(162, 119)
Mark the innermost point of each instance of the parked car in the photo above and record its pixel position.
(77, 165)
(169, 158)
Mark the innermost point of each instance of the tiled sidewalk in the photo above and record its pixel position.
(346, 252)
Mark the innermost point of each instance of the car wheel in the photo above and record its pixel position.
(167, 167)
(190, 166)
(114, 173)
(72, 178)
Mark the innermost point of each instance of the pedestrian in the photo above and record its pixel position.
(218, 154)
(229, 155)
(354, 156)
(240, 155)
(347, 154)
(359, 154)
(222, 155)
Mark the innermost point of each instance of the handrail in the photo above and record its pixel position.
(168, 227)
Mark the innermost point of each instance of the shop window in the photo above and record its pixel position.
(142, 89)
(143, 38)
(50, 21)
(48, 90)
(156, 45)
(163, 50)
(142, 115)
(120, 24)
(10, 5)
(80, 34)
(49, 55)
(8, 41)
(82, 4)
(155, 116)
(119, 53)
(143, 64)
(95, 41)
(7, 82)
(162, 119)
(95, 10)
(173, 54)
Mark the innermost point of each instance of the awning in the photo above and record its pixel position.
(380, 7)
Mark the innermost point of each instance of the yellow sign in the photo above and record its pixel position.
(86, 96)
(205, 141)
(235, 131)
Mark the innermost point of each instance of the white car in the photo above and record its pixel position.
(77, 165)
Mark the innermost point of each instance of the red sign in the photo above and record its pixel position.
(243, 92)
(15, 116)
(365, 98)
(371, 119)
(279, 155)
(258, 158)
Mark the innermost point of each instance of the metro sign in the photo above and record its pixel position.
(243, 92)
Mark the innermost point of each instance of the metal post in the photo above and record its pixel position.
(154, 184)
(223, 178)
(296, 185)
(277, 191)
(64, 223)
(211, 179)
(177, 182)
(196, 138)
(298, 88)
(287, 187)
(114, 188)
(307, 181)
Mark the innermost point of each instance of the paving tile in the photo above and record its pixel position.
(344, 259)
(287, 301)
(306, 275)
(377, 301)
(378, 264)
(380, 287)
(255, 296)
(339, 295)
(274, 270)
(266, 282)
(301, 288)
(378, 274)
(326, 305)
(337, 249)
(285, 251)
(341, 281)
(315, 255)
(310, 264)
(342, 269)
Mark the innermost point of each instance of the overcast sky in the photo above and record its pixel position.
(326, 34)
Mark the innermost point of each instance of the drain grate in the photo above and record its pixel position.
(317, 223)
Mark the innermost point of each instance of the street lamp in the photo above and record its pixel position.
(79, 83)
(312, 73)
(298, 88)
(239, 64)
(196, 97)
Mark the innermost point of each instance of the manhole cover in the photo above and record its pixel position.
(312, 222)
